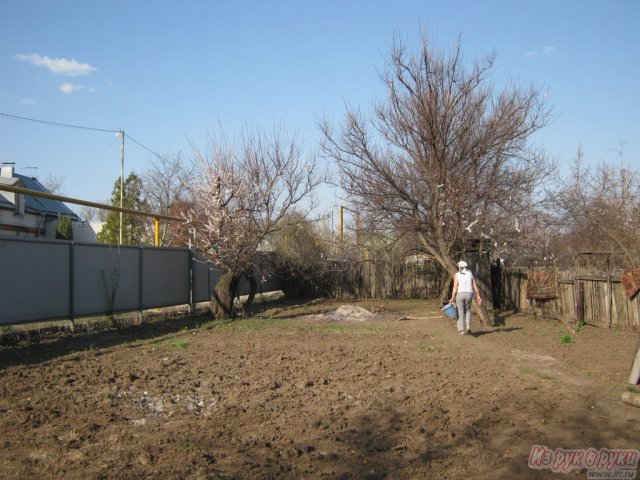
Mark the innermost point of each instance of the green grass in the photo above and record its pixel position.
(181, 344)
(633, 389)
(447, 345)
(260, 324)
(255, 324)
(370, 330)
(564, 337)
(527, 370)
(337, 329)
(340, 329)
(532, 371)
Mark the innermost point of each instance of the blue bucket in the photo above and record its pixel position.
(450, 310)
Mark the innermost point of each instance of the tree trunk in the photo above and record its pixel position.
(224, 292)
(445, 290)
(450, 267)
(481, 310)
(483, 314)
(253, 288)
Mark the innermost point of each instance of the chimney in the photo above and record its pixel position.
(7, 169)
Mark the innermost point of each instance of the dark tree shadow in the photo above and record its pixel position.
(35, 348)
(479, 333)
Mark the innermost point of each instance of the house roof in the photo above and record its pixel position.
(42, 205)
(8, 181)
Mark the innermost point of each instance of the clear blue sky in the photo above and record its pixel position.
(169, 71)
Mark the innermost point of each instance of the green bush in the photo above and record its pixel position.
(64, 229)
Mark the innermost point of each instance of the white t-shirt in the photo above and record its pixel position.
(465, 281)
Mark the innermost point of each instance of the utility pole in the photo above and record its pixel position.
(121, 180)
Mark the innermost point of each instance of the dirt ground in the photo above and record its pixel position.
(293, 394)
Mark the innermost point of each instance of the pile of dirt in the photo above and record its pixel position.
(346, 313)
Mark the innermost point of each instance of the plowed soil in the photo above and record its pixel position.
(294, 394)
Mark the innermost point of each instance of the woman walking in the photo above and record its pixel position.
(464, 287)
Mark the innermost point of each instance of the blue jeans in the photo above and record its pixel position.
(463, 303)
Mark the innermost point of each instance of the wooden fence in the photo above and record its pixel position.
(402, 277)
(372, 279)
(597, 299)
(396, 279)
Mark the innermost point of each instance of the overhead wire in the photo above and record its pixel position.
(56, 124)
(79, 127)
(144, 146)
(100, 158)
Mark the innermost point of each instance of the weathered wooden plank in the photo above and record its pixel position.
(597, 278)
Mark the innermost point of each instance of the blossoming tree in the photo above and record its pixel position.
(241, 194)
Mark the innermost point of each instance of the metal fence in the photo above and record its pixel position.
(45, 279)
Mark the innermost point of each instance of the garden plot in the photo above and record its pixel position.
(350, 395)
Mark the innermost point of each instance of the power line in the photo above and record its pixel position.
(145, 147)
(56, 124)
(80, 127)
(100, 158)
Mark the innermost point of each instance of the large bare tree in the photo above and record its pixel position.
(242, 192)
(445, 157)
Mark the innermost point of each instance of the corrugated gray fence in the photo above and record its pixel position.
(46, 279)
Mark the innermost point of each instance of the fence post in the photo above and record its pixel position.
(71, 282)
(609, 299)
(192, 283)
(140, 282)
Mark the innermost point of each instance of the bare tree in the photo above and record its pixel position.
(54, 184)
(598, 209)
(165, 186)
(88, 214)
(445, 157)
(241, 195)
(102, 214)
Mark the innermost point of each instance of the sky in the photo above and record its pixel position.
(171, 73)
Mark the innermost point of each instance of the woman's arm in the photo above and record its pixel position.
(455, 288)
(477, 292)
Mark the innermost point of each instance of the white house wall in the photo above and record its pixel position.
(7, 217)
(83, 232)
(50, 229)
(8, 196)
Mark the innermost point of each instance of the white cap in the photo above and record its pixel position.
(462, 264)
